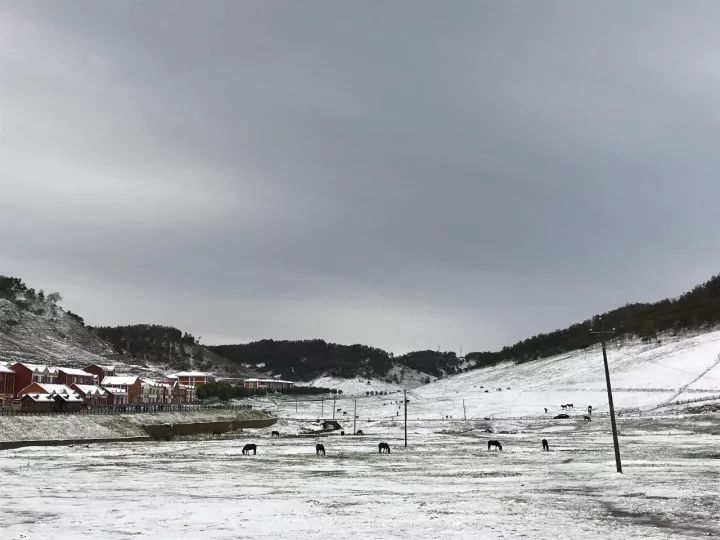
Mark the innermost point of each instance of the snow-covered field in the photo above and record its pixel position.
(446, 484)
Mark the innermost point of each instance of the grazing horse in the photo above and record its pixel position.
(570, 405)
(383, 446)
(546, 446)
(359, 432)
(275, 434)
(217, 433)
(496, 444)
(246, 449)
(319, 448)
(587, 418)
(563, 406)
(589, 409)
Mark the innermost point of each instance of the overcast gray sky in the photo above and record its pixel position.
(406, 174)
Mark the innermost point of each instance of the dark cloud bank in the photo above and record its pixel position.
(403, 174)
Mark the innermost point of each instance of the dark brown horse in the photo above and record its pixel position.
(246, 449)
(384, 447)
(275, 434)
(546, 446)
(495, 444)
(319, 448)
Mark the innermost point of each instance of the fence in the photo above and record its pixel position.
(128, 409)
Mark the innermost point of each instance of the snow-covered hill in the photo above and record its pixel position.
(405, 377)
(643, 375)
(47, 336)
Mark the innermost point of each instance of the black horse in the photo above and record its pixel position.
(359, 432)
(587, 418)
(384, 447)
(275, 434)
(546, 446)
(246, 449)
(496, 444)
(319, 448)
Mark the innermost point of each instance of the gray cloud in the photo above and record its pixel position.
(406, 174)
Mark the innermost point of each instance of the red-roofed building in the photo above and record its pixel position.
(26, 374)
(68, 376)
(127, 383)
(7, 384)
(91, 394)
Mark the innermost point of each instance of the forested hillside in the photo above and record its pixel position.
(307, 359)
(168, 346)
(694, 310)
(34, 327)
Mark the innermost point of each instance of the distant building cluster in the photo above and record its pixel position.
(271, 385)
(41, 388)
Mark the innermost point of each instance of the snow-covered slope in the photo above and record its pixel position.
(643, 375)
(402, 377)
(49, 336)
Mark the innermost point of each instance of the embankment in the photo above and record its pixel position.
(16, 431)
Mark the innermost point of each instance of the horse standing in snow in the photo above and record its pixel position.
(495, 444)
(545, 445)
(383, 447)
(275, 434)
(246, 449)
(319, 448)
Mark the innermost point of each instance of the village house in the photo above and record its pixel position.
(26, 374)
(36, 403)
(270, 385)
(7, 385)
(92, 395)
(192, 378)
(68, 402)
(44, 388)
(68, 376)
(152, 391)
(116, 396)
(58, 397)
(130, 384)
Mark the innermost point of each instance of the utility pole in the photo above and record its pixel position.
(618, 464)
(334, 397)
(464, 415)
(405, 400)
(295, 403)
(322, 407)
(354, 417)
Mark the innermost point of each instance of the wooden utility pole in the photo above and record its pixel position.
(322, 407)
(405, 400)
(618, 463)
(295, 403)
(464, 415)
(354, 417)
(334, 397)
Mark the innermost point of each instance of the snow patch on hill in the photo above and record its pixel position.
(401, 377)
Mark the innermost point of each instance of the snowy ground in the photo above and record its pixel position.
(445, 484)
